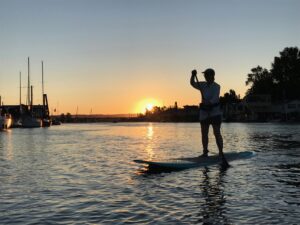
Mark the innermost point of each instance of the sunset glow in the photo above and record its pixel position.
(120, 57)
(147, 104)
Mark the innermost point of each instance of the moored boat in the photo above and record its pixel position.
(56, 121)
(31, 122)
(46, 122)
(5, 121)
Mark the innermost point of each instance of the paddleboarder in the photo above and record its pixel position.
(210, 112)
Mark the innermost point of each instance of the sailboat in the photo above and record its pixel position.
(27, 119)
(5, 121)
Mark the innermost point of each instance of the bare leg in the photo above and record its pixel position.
(204, 133)
(218, 136)
(219, 140)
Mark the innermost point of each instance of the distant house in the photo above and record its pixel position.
(191, 109)
(291, 110)
(259, 107)
(235, 112)
(293, 106)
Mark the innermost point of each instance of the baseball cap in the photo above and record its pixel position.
(209, 71)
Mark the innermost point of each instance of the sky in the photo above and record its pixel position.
(117, 56)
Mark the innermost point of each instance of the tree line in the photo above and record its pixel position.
(282, 81)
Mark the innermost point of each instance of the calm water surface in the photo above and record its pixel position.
(83, 174)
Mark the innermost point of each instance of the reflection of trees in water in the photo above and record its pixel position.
(211, 188)
(288, 174)
(274, 141)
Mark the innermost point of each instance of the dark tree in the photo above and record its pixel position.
(286, 73)
(62, 117)
(229, 98)
(282, 82)
(261, 81)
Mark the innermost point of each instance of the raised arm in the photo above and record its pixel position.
(194, 83)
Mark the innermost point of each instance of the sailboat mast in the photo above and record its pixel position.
(43, 79)
(28, 85)
(20, 89)
(31, 93)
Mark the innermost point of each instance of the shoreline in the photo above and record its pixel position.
(126, 120)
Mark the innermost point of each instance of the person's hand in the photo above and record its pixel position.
(194, 72)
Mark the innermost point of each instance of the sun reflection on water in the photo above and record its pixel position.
(8, 147)
(150, 131)
(149, 146)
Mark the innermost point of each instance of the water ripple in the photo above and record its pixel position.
(84, 174)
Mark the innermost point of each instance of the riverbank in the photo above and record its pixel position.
(172, 119)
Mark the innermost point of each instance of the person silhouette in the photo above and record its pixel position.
(210, 112)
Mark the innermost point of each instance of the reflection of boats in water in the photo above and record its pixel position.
(5, 121)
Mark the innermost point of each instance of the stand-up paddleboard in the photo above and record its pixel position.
(187, 163)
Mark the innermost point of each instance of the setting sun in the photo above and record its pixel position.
(147, 104)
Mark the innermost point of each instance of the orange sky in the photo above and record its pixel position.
(106, 57)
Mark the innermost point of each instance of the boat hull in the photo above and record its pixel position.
(5, 122)
(31, 122)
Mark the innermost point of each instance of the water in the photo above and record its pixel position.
(83, 174)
